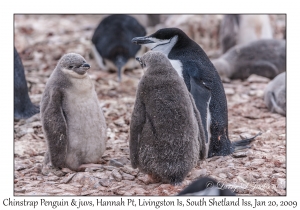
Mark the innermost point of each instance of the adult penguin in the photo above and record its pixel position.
(23, 107)
(111, 41)
(203, 82)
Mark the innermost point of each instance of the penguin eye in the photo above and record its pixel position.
(70, 67)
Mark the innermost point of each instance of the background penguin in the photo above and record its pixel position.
(23, 108)
(206, 186)
(275, 94)
(265, 57)
(202, 81)
(242, 29)
(112, 41)
(166, 134)
(72, 120)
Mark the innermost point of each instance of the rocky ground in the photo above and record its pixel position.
(42, 39)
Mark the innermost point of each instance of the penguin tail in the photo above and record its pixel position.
(243, 144)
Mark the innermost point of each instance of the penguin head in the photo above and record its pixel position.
(162, 40)
(74, 64)
(153, 58)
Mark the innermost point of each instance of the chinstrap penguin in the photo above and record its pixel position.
(241, 29)
(23, 107)
(206, 187)
(112, 45)
(72, 119)
(266, 57)
(166, 135)
(202, 81)
(275, 94)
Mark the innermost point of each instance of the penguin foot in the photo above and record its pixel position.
(176, 183)
(83, 167)
(243, 144)
(47, 169)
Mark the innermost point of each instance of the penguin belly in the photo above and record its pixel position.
(86, 128)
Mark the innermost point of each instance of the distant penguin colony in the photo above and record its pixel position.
(206, 187)
(275, 94)
(112, 45)
(166, 134)
(72, 119)
(266, 57)
(241, 29)
(23, 107)
(202, 81)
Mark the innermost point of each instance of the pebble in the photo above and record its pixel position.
(239, 154)
(53, 178)
(67, 179)
(68, 187)
(222, 175)
(128, 177)
(100, 175)
(229, 91)
(281, 183)
(115, 163)
(129, 170)
(110, 168)
(116, 175)
(257, 162)
(18, 190)
(104, 182)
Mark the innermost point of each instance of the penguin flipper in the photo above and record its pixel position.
(201, 96)
(138, 120)
(243, 144)
(55, 132)
(201, 137)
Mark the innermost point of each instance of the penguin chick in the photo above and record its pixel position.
(242, 29)
(202, 81)
(112, 45)
(72, 119)
(206, 186)
(266, 57)
(166, 134)
(23, 107)
(275, 94)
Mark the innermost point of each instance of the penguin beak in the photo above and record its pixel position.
(140, 61)
(142, 40)
(86, 66)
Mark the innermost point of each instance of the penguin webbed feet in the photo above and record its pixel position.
(244, 143)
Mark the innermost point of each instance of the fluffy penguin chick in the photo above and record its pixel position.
(23, 107)
(266, 57)
(275, 95)
(166, 133)
(72, 119)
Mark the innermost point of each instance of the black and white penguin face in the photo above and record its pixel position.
(74, 63)
(162, 40)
